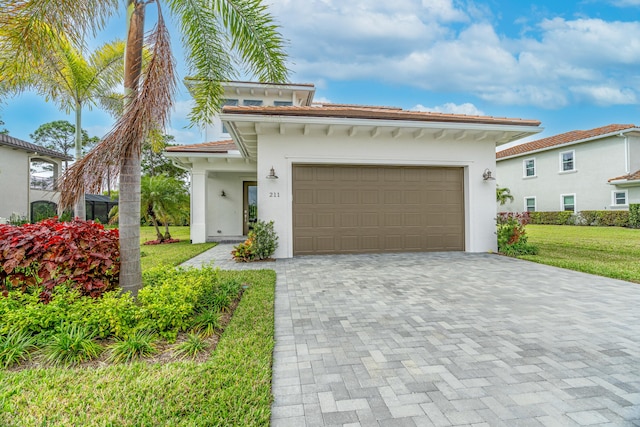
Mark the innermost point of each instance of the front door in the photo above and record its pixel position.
(250, 206)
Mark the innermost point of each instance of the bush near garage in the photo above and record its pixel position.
(512, 237)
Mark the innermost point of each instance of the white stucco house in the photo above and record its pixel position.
(594, 169)
(345, 178)
(28, 174)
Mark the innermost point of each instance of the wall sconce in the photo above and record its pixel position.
(223, 194)
(486, 175)
(272, 174)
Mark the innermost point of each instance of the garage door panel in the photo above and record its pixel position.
(362, 209)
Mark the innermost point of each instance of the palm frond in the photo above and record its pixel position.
(255, 36)
(148, 109)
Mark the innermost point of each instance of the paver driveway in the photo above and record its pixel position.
(452, 339)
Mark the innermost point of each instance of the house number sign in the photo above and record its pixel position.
(274, 194)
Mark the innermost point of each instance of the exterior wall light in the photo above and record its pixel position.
(223, 194)
(272, 174)
(486, 175)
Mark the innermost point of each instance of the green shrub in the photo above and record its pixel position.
(135, 346)
(71, 345)
(16, 347)
(512, 238)
(553, 218)
(207, 323)
(261, 243)
(192, 346)
(634, 215)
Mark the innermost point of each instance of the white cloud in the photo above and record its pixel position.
(451, 108)
(441, 46)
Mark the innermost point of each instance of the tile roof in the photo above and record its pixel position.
(12, 142)
(635, 176)
(561, 139)
(366, 112)
(214, 147)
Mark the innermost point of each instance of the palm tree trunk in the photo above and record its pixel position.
(129, 203)
(167, 235)
(154, 221)
(79, 209)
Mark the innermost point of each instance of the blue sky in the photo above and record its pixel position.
(570, 64)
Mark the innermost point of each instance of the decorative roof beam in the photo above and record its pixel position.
(375, 132)
(440, 134)
(396, 132)
(353, 130)
(418, 134)
(282, 129)
(482, 136)
(461, 135)
(306, 130)
(258, 128)
(329, 130)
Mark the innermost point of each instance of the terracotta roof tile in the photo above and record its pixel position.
(371, 112)
(27, 146)
(635, 176)
(563, 138)
(205, 147)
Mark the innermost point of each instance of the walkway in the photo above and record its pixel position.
(442, 339)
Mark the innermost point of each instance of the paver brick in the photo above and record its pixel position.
(447, 338)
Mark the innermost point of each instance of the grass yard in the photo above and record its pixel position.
(606, 251)
(172, 253)
(232, 388)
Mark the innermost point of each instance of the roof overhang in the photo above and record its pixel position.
(622, 183)
(620, 133)
(245, 128)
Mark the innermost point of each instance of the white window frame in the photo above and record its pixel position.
(535, 204)
(614, 199)
(524, 168)
(573, 159)
(575, 203)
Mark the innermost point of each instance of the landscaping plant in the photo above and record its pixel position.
(512, 238)
(38, 257)
(262, 242)
(71, 345)
(192, 346)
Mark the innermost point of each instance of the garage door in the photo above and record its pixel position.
(366, 209)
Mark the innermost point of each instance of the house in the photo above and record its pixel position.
(28, 173)
(594, 169)
(340, 178)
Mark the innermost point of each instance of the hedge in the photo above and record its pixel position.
(606, 218)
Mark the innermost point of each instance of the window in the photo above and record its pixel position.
(43, 174)
(567, 161)
(619, 198)
(569, 202)
(252, 102)
(282, 103)
(530, 204)
(529, 167)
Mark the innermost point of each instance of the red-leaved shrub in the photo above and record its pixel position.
(81, 254)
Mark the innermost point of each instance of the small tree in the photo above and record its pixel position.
(154, 162)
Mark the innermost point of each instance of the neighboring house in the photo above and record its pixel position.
(345, 178)
(580, 170)
(28, 174)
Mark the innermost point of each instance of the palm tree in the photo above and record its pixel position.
(503, 195)
(162, 198)
(214, 33)
(73, 81)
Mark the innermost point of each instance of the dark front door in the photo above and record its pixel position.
(250, 206)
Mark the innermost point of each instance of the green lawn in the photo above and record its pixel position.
(171, 254)
(605, 251)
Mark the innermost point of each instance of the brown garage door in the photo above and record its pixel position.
(362, 209)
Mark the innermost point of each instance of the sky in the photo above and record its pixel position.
(569, 64)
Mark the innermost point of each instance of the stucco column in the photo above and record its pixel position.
(198, 206)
